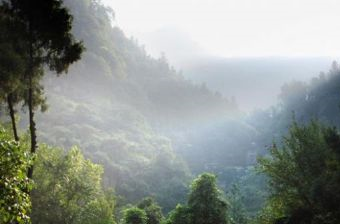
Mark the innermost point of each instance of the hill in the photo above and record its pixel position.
(115, 101)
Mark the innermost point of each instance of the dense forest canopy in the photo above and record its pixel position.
(123, 134)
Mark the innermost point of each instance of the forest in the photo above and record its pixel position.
(95, 130)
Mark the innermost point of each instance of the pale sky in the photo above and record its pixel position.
(240, 28)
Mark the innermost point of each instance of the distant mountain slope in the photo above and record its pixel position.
(254, 82)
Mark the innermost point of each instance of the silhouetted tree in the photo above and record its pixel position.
(49, 43)
(12, 64)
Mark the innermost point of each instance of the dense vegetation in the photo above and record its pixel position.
(15, 202)
(68, 189)
(304, 176)
(205, 204)
(125, 133)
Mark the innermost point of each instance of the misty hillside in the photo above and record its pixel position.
(221, 74)
(116, 103)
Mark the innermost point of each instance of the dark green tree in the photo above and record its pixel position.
(205, 201)
(304, 174)
(180, 215)
(12, 64)
(152, 209)
(135, 215)
(205, 204)
(49, 44)
(237, 211)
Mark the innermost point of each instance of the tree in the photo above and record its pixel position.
(304, 174)
(15, 202)
(180, 215)
(205, 204)
(12, 64)
(69, 189)
(135, 215)
(49, 43)
(152, 209)
(237, 211)
(205, 201)
(99, 211)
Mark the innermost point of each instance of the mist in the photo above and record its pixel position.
(211, 41)
(264, 75)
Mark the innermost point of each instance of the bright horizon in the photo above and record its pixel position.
(239, 28)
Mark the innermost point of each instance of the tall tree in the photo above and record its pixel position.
(12, 64)
(205, 204)
(304, 174)
(205, 201)
(49, 43)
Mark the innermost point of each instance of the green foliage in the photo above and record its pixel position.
(135, 215)
(304, 175)
(31, 40)
(205, 204)
(11, 59)
(135, 158)
(237, 213)
(253, 192)
(48, 33)
(12, 64)
(152, 209)
(205, 201)
(180, 215)
(69, 189)
(15, 203)
(271, 212)
(98, 211)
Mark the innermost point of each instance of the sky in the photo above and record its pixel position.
(239, 28)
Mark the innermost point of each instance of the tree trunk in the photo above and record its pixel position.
(29, 77)
(12, 115)
(32, 124)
